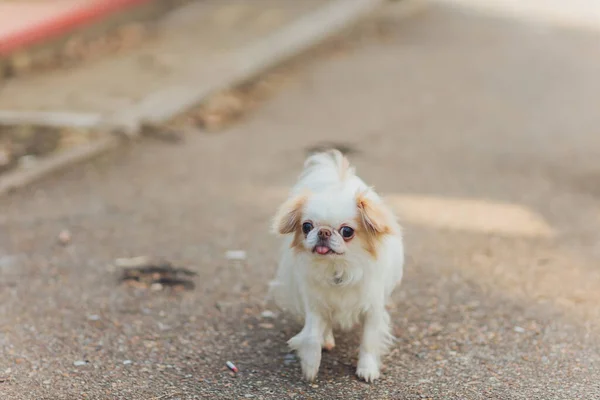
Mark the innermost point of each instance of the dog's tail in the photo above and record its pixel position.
(331, 160)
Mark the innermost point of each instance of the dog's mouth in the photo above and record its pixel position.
(323, 250)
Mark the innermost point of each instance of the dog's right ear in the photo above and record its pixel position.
(288, 217)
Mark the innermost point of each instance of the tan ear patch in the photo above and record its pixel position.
(288, 217)
(373, 215)
(374, 222)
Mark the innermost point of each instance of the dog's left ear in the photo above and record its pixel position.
(376, 219)
(289, 215)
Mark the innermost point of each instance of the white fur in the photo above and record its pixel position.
(342, 290)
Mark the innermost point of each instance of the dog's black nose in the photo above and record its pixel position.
(324, 233)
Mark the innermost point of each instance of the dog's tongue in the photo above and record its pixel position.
(322, 249)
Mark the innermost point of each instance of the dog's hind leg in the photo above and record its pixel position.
(328, 339)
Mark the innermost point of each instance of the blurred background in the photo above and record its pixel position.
(145, 145)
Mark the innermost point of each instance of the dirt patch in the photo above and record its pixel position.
(22, 146)
(227, 107)
(145, 273)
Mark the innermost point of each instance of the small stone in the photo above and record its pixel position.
(156, 287)
(64, 237)
(79, 363)
(267, 314)
(163, 327)
(132, 262)
(46, 382)
(248, 395)
(237, 255)
(518, 329)
(127, 362)
(314, 386)
(266, 325)
(93, 317)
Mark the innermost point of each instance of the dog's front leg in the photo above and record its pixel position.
(307, 344)
(375, 342)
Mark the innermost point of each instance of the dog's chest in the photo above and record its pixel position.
(340, 293)
(343, 306)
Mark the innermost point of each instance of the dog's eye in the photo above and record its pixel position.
(307, 227)
(347, 232)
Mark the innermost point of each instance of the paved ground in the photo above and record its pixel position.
(483, 132)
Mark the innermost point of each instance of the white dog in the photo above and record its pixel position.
(342, 257)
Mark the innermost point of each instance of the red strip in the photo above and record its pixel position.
(81, 16)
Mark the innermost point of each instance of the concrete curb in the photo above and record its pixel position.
(50, 118)
(159, 107)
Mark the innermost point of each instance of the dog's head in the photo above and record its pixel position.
(337, 223)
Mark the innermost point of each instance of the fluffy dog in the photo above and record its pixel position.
(342, 257)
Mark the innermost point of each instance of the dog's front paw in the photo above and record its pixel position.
(368, 368)
(309, 353)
